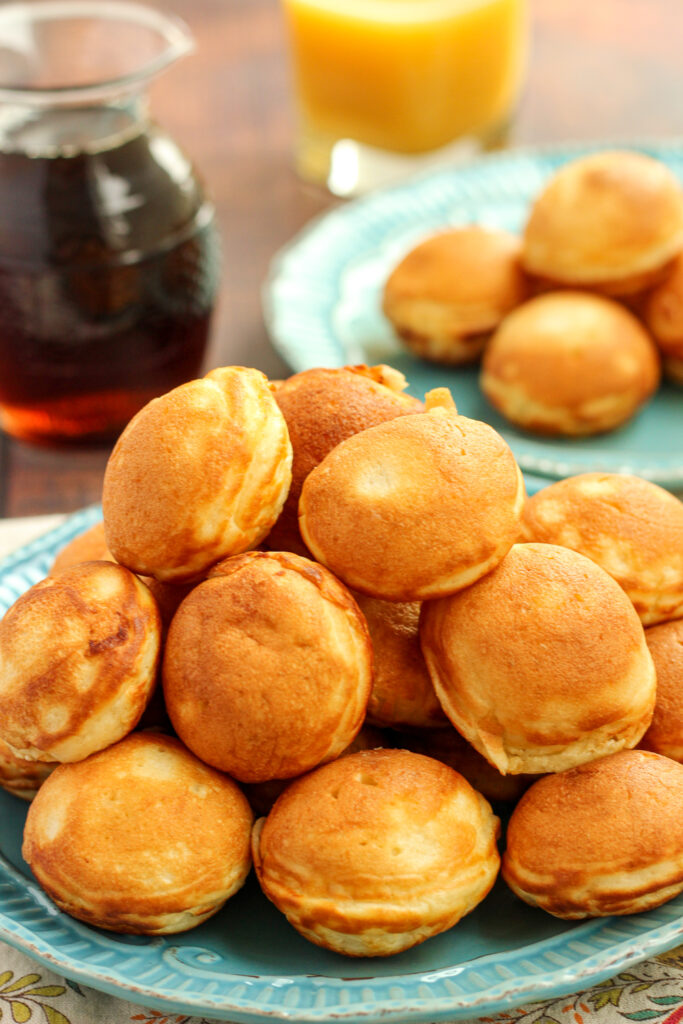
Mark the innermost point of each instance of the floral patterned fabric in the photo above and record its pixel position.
(651, 991)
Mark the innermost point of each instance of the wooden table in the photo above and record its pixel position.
(599, 69)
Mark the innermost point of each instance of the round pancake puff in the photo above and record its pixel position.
(629, 526)
(91, 546)
(663, 314)
(377, 852)
(197, 475)
(402, 692)
(140, 838)
(446, 296)
(321, 408)
(570, 363)
(19, 776)
(267, 667)
(611, 221)
(617, 838)
(415, 508)
(665, 735)
(78, 662)
(542, 664)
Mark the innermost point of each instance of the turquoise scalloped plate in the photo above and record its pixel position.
(322, 303)
(248, 965)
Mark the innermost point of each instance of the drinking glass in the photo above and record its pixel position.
(387, 87)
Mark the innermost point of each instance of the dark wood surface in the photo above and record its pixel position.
(598, 69)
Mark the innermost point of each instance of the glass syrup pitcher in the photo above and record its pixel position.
(109, 260)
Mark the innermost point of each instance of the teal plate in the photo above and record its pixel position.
(248, 965)
(322, 303)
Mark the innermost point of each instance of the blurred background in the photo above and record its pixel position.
(597, 70)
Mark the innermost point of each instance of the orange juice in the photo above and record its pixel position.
(407, 76)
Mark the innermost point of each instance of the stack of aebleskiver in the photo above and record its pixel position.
(574, 317)
(406, 600)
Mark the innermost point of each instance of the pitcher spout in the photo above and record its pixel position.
(83, 52)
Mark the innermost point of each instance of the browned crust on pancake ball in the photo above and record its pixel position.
(78, 659)
(323, 407)
(570, 363)
(402, 692)
(449, 292)
(608, 218)
(629, 526)
(617, 837)
(542, 664)
(198, 474)
(413, 508)
(663, 312)
(89, 546)
(20, 777)
(140, 838)
(377, 852)
(446, 351)
(665, 735)
(268, 666)
(631, 291)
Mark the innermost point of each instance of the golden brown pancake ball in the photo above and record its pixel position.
(414, 508)
(89, 546)
(402, 692)
(570, 363)
(449, 746)
(663, 314)
(603, 838)
(448, 294)
(665, 735)
(19, 776)
(323, 407)
(542, 664)
(268, 666)
(198, 474)
(139, 838)
(629, 526)
(262, 795)
(611, 221)
(78, 661)
(377, 852)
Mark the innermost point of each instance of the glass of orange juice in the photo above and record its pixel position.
(386, 86)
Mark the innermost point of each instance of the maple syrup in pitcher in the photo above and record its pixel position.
(108, 261)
